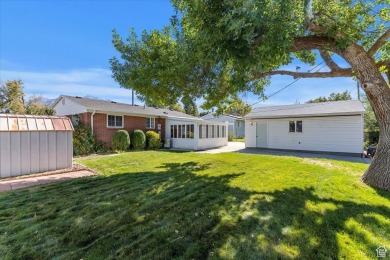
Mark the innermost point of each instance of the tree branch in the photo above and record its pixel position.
(330, 74)
(314, 42)
(328, 60)
(379, 43)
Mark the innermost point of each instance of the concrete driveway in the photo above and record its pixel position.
(240, 148)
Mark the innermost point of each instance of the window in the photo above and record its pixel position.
(291, 126)
(203, 131)
(299, 126)
(190, 131)
(218, 131)
(175, 131)
(183, 131)
(295, 126)
(150, 123)
(171, 131)
(238, 123)
(114, 121)
(223, 131)
(75, 119)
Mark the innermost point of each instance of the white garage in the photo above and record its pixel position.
(331, 127)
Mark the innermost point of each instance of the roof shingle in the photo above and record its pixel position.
(347, 107)
(111, 106)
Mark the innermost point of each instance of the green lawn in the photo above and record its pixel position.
(242, 140)
(163, 205)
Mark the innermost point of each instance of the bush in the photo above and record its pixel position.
(83, 140)
(138, 139)
(99, 147)
(153, 140)
(230, 137)
(121, 141)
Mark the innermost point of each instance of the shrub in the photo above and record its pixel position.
(153, 140)
(121, 141)
(230, 137)
(99, 147)
(138, 139)
(83, 140)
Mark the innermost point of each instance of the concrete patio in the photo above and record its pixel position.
(19, 183)
(240, 148)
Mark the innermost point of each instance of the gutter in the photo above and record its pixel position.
(93, 113)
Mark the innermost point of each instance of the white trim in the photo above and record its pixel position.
(115, 127)
(93, 113)
(154, 122)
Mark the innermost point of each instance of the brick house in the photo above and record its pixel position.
(107, 117)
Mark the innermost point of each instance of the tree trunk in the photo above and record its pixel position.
(378, 94)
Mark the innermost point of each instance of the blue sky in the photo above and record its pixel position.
(63, 47)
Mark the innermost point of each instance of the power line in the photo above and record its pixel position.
(273, 94)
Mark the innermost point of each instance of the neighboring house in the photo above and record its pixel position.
(236, 123)
(107, 117)
(335, 127)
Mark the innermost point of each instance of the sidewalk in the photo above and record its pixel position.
(19, 183)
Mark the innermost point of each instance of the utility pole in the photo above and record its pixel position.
(132, 97)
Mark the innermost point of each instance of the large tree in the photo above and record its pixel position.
(12, 97)
(12, 100)
(219, 49)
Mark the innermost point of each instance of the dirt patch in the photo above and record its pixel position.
(324, 164)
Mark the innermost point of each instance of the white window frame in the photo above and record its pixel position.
(123, 121)
(295, 126)
(151, 126)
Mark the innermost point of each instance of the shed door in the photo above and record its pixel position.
(261, 134)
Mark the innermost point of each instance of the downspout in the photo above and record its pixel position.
(94, 111)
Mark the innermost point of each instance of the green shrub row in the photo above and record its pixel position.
(122, 141)
(84, 142)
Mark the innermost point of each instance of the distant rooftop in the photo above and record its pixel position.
(211, 116)
(112, 106)
(347, 107)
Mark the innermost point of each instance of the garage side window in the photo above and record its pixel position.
(114, 121)
(295, 126)
(292, 126)
(299, 126)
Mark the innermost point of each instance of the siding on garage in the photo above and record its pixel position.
(340, 134)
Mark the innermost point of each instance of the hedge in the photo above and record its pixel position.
(138, 140)
(153, 140)
(121, 141)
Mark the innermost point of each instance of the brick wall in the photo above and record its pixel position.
(131, 123)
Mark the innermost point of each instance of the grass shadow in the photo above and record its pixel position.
(180, 213)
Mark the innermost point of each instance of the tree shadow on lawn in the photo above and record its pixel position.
(179, 213)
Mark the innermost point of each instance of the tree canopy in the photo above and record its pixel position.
(222, 48)
(12, 100)
(346, 95)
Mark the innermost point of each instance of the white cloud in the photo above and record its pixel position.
(98, 82)
(93, 82)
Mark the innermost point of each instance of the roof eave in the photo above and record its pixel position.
(306, 115)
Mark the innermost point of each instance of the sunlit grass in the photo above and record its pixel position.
(163, 205)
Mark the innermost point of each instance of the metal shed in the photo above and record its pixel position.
(32, 144)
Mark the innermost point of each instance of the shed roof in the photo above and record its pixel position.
(347, 107)
(111, 106)
(16, 123)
